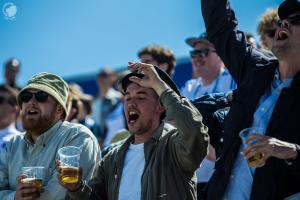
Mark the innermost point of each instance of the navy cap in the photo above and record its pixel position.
(124, 82)
(192, 41)
(288, 7)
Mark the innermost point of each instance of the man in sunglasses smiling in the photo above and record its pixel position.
(43, 110)
(267, 97)
(9, 111)
(209, 72)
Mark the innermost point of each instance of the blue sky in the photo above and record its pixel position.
(77, 37)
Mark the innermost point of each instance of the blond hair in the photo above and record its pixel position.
(267, 20)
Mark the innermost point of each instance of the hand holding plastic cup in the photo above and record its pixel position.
(34, 175)
(244, 134)
(69, 157)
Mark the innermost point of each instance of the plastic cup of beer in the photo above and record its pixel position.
(244, 134)
(69, 157)
(33, 175)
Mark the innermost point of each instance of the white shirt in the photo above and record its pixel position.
(134, 163)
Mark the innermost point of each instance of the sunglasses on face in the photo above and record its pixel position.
(40, 96)
(270, 33)
(294, 20)
(201, 52)
(10, 100)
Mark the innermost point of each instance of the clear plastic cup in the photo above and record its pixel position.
(34, 174)
(244, 134)
(69, 157)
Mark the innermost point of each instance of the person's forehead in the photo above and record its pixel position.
(147, 58)
(136, 88)
(33, 90)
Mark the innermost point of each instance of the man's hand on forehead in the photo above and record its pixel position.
(138, 67)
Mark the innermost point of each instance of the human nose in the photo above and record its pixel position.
(131, 103)
(32, 100)
(283, 23)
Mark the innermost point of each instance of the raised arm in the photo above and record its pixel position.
(189, 145)
(222, 29)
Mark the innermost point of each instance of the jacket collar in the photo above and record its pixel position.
(45, 137)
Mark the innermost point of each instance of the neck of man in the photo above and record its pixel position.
(142, 138)
(209, 78)
(288, 69)
(34, 134)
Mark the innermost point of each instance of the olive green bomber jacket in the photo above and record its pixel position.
(171, 157)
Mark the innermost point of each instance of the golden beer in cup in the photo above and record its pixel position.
(69, 157)
(38, 187)
(69, 174)
(244, 134)
(34, 174)
(253, 160)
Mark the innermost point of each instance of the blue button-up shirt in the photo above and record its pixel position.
(241, 179)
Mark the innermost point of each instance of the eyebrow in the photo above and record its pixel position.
(140, 92)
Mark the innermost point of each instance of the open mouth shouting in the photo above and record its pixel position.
(31, 112)
(132, 117)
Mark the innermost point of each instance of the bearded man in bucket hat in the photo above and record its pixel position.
(43, 108)
(157, 160)
(267, 97)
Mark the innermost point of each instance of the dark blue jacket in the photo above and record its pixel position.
(253, 71)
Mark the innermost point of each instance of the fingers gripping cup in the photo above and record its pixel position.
(69, 157)
(244, 134)
(33, 175)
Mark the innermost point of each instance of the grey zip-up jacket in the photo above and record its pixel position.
(171, 157)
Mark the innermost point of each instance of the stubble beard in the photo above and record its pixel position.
(38, 125)
(138, 130)
(281, 51)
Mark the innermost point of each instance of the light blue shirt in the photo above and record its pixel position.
(241, 179)
(21, 151)
(195, 88)
(6, 134)
(130, 186)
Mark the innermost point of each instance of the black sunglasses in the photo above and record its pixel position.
(10, 100)
(39, 96)
(294, 20)
(201, 52)
(270, 33)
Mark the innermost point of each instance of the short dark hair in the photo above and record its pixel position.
(161, 55)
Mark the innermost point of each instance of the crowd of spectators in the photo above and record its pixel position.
(159, 141)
